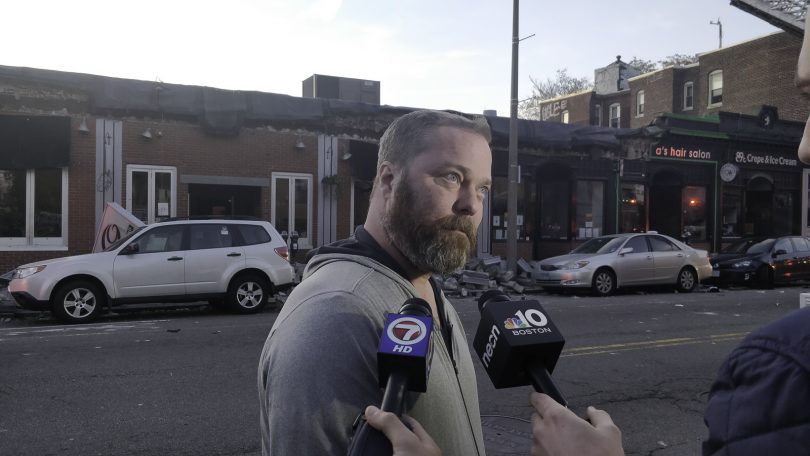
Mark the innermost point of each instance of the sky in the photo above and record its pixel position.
(437, 54)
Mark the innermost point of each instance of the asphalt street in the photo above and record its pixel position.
(183, 381)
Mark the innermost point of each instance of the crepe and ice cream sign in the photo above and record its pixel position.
(115, 224)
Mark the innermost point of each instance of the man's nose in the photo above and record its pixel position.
(468, 202)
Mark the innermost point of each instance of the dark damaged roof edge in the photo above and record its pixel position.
(224, 111)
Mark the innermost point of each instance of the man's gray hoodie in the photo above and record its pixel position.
(318, 368)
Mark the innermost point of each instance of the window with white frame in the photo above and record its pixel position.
(291, 209)
(688, 96)
(152, 192)
(640, 103)
(33, 208)
(716, 88)
(615, 115)
(564, 116)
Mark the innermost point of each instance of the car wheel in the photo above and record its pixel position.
(604, 282)
(248, 293)
(687, 280)
(79, 301)
(765, 277)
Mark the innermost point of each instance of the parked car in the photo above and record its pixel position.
(606, 263)
(762, 261)
(236, 262)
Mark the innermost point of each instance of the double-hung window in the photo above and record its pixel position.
(640, 103)
(615, 115)
(716, 88)
(688, 96)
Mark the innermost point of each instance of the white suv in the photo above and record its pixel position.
(236, 262)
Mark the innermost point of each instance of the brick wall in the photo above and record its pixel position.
(755, 73)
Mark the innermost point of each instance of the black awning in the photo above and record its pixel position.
(34, 142)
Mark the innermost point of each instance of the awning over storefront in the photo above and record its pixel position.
(34, 142)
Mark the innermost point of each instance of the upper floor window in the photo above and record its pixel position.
(615, 115)
(716, 88)
(640, 103)
(564, 116)
(688, 96)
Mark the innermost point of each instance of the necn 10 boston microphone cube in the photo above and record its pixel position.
(515, 340)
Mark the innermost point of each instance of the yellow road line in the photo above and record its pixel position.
(612, 348)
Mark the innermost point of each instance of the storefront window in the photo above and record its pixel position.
(634, 209)
(524, 216)
(33, 205)
(590, 204)
(694, 212)
(732, 210)
(554, 201)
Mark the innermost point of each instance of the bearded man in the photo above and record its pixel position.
(318, 368)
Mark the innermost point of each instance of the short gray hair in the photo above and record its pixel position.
(409, 135)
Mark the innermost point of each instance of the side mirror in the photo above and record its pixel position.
(625, 250)
(776, 253)
(130, 249)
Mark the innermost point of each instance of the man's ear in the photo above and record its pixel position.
(386, 174)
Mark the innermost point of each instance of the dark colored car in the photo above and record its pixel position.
(762, 261)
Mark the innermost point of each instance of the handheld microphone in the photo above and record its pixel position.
(517, 343)
(403, 363)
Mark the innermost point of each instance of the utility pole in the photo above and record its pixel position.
(720, 26)
(511, 194)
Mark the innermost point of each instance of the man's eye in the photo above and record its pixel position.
(484, 190)
(453, 177)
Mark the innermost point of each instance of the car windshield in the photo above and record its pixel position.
(750, 246)
(117, 243)
(607, 244)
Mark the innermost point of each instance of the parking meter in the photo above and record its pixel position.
(293, 242)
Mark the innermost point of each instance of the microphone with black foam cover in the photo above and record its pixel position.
(403, 364)
(517, 343)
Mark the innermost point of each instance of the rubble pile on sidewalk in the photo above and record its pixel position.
(488, 273)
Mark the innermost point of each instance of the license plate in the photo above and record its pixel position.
(715, 273)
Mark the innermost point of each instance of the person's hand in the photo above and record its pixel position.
(405, 442)
(557, 431)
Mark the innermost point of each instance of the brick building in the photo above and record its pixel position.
(723, 137)
(70, 143)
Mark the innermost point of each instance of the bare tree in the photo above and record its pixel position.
(678, 60)
(643, 65)
(562, 84)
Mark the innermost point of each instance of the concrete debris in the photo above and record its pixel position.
(488, 273)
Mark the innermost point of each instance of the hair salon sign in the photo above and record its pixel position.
(763, 159)
(682, 152)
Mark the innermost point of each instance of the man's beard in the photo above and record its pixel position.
(432, 246)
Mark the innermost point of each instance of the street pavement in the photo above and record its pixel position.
(183, 381)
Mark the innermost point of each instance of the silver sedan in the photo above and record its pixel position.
(606, 263)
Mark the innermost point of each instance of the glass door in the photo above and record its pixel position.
(151, 192)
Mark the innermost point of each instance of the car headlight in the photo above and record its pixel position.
(576, 265)
(741, 264)
(21, 273)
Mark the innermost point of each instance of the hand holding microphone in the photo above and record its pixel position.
(403, 363)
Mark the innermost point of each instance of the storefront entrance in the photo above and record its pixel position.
(665, 204)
